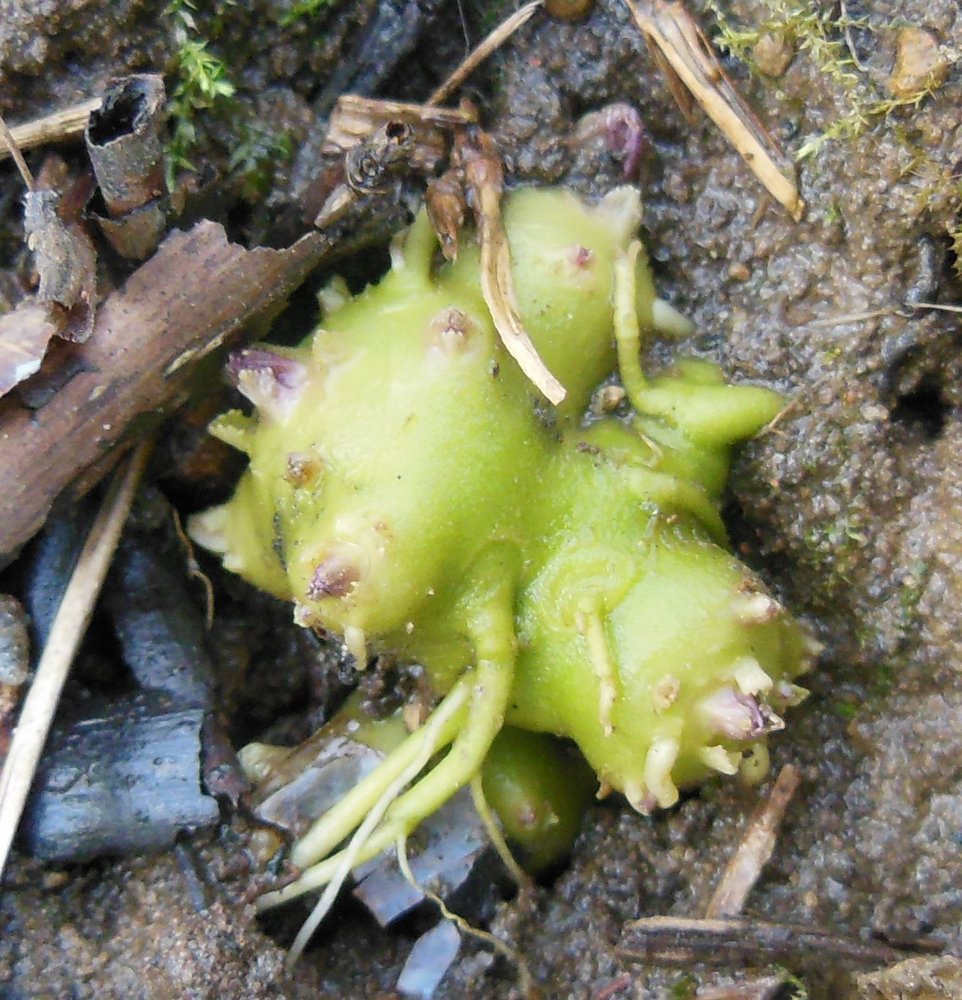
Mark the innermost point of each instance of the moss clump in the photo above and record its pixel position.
(408, 492)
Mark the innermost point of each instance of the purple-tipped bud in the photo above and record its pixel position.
(334, 577)
(272, 382)
(624, 134)
(739, 716)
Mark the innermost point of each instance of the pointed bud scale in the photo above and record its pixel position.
(719, 759)
(210, 528)
(812, 646)
(755, 609)
(749, 676)
(235, 429)
(639, 798)
(659, 761)
(788, 695)
(356, 643)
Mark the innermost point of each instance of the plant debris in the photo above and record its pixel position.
(193, 296)
(66, 266)
(14, 664)
(755, 848)
(477, 157)
(62, 126)
(66, 633)
(123, 139)
(684, 940)
(691, 65)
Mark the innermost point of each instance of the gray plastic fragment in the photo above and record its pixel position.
(453, 840)
(431, 957)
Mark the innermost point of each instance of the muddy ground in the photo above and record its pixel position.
(851, 508)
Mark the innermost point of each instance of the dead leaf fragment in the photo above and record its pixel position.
(24, 335)
(773, 53)
(66, 262)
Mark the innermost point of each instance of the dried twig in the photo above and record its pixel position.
(766, 988)
(683, 940)
(688, 58)
(68, 123)
(742, 871)
(488, 45)
(11, 147)
(67, 630)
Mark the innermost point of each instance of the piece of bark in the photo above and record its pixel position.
(194, 295)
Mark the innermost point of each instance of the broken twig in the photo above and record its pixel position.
(68, 629)
(66, 124)
(755, 849)
(683, 940)
(484, 49)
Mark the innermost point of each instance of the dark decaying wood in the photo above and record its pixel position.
(194, 295)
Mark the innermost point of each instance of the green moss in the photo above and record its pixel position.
(302, 9)
(819, 33)
(203, 84)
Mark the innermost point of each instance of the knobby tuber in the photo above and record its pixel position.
(409, 491)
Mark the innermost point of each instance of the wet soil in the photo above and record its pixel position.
(851, 508)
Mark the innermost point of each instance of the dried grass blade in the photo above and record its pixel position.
(484, 49)
(66, 633)
(477, 157)
(693, 60)
(497, 287)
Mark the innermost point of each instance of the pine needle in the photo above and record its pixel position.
(66, 633)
